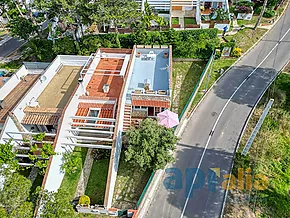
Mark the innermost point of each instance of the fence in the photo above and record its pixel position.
(198, 84)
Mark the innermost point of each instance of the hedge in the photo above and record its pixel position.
(186, 43)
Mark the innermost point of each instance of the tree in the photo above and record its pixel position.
(7, 156)
(148, 15)
(150, 145)
(24, 210)
(14, 193)
(21, 27)
(38, 50)
(65, 46)
(70, 162)
(56, 204)
(113, 11)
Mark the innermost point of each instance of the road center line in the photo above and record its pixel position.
(217, 120)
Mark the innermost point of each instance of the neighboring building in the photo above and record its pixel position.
(195, 14)
(189, 14)
(85, 102)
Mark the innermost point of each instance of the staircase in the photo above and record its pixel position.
(127, 117)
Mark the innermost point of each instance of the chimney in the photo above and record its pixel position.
(106, 88)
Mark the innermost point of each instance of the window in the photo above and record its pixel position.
(93, 113)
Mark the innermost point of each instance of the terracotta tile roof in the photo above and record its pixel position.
(42, 110)
(96, 98)
(41, 116)
(151, 103)
(95, 86)
(83, 110)
(13, 98)
(108, 64)
(105, 114)
(96, 105)
(40, 119)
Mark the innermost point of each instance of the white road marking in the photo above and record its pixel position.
(221, 113)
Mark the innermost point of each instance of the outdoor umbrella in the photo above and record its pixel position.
(168, 119)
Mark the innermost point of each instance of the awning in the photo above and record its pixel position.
(151, 103)
(41, 116)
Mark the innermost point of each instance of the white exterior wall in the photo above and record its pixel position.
(55, 174)
(163, 5)
(119, 134)
(221, 26)
(11, 83)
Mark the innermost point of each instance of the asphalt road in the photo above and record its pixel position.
(211, 136)
(10, 46)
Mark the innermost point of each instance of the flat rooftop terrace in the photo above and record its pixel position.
(60, 88)
(152, 67)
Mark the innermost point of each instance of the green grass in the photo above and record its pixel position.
(253, 21)
(222, 63)
(189, 20)
(175, 20)
(96, 186)
(247, 37)
(70, 181)
(190, 73)
(270, 152)
(129, 184)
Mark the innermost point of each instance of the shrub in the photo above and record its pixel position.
(236, 52)
(258, 10)
(99, 154)
(245, 3)
(70, 162)
(84, 200)
(64, 46)
(269, 13)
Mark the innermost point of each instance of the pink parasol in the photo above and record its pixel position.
(168, 119)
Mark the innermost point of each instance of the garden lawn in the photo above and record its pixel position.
(247, 37)
(185, 77)
(129, 186)
(189, 20)
(70, 182)
(96, 186)
(175, 20)
(254, 21)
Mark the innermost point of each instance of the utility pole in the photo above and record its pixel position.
(261, 14)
